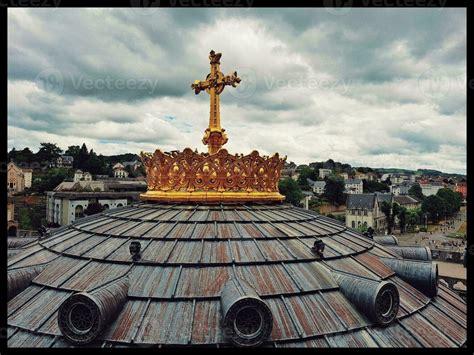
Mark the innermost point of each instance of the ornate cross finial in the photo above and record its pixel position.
(216, 81)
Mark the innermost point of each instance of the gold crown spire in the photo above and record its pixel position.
(215, 136)
(217, 176)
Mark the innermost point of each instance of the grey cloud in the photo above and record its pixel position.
(365, 68)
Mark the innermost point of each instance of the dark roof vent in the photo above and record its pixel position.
(422, 275)
(386, 240)
(415, 253)
(247, 320)
(43, 232)
(18, 280)
(318, 247)
(379, 301)
(135, 248)
(83, 316)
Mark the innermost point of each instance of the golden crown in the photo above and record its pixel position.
(191, 176)
(216, 176)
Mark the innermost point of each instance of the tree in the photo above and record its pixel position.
(73, 151)
(82, 157)
(334, 190)
(25, 156)
(291, 190)
(306, 173)
(412, 218)
(402, 218)
(93, 208)
(416, 192)
(24, 221)
(451, 199)
(370, 186)
(386, 209)
(48, 152)
(434, 206)
(51, 179)
(329, 164)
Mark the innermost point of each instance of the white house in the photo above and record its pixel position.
(79, 175)
(401, 189)
(317, 186)
(65, 207)
(119, 171)
(431, 189)
(354, 186)
(324, 172)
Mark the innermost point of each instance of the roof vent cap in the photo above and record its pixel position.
(318, 247)
(135, 250)
(247, 320)
(83, 316)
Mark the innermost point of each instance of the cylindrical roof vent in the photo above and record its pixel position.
(247, 320)
(386, 240)
(83, 316)
(379, 301)
(415, 253)
(18, 280)
(422, 275)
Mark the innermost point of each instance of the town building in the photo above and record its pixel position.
(324, 172)
(371, 176)
(12, 222)
(461, 187)
(69, 200)
(400, 189)
(79, 175)
(134, 165)
(18, 179)
(289, 170)
(406, 201)
(354, 186)
(431, 188)
(317, 186)
(360, 175)
(365, 210)
(307, 196)
(345, 176)
(119, 171)
(65, 161)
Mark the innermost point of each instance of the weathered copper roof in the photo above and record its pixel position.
(189, 253)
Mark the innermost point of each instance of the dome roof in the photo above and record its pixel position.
(225, 274)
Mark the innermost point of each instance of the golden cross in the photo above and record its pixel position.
(214, 136)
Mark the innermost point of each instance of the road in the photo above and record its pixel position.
(435, 238)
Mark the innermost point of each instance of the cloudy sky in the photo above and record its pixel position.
(370, 87)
